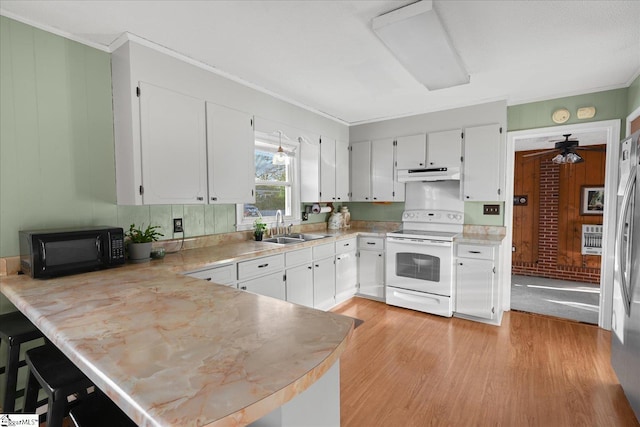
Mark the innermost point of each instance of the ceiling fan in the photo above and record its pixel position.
(566, 150)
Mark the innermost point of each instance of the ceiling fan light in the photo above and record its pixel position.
(574, 158)
(559, 159)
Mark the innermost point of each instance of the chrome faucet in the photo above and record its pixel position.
(279, 222)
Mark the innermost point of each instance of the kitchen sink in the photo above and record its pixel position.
(294, 238)
(283, 240)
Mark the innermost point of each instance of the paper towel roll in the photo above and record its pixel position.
(316, 209)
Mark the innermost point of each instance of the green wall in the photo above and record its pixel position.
(57, 165)
(610, 105)
(633, 96)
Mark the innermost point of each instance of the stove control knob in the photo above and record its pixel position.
(459, 217)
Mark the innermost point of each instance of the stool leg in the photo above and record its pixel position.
(11, 372)
(31, 395)
(56, 412)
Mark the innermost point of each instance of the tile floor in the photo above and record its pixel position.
(569, 300)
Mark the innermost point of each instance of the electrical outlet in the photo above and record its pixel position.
(491, 209)
(177, 225)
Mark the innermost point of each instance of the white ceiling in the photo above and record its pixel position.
(323, 54)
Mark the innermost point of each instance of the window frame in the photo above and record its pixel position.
(270, 142)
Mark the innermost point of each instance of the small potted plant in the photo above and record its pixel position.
(140, 242)
(258, 229)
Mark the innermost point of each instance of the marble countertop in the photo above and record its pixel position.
(479, 239)
(172, 350)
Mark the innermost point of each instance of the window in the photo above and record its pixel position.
(276, 187)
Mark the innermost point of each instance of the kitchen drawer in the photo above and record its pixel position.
(347, 245)
(323, 251)
(223, 275)
(372, 243)
(260, 266)
(298, 257)
(475, 251)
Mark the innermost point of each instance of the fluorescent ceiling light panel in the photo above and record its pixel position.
(415, 35)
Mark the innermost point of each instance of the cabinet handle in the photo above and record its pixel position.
(421, 164)
(371, 243)
(366, 198)
(310, 267)
(317, 265)
(208, 279)
(263, 265)
(338, 258)
(467, 197)
(338, 198)
(460, 264)
(379, 254)
(244, 288)
(474, 252)
(214, 198)
(375, 198)
(347, 244)
(199, 198)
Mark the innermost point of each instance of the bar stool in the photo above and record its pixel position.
(16, 330)
(99, 411)
(50, 370)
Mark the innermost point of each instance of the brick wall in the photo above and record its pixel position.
(547, 265)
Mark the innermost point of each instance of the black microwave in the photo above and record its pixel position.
(51, 253)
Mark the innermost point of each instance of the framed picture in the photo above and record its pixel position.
(592, 200)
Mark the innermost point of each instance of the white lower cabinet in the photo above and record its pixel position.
(371, 261)
(324, 283)
(300, 284)
(371, 274)
(346, 275)
(477, 293)
(272, 285)
(222, 275)
(299, 276)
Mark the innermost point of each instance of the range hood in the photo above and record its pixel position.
(429, 174)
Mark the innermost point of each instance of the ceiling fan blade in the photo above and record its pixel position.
(590, 148)
(540, 154)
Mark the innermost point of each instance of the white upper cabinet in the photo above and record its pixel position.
(230, 150)
(361, 171)
(327, 170)
(173, 147)
(309, 170)
(342, 171)
(411, 151)
(324, 170)
(483, 163)
(373, 173)
(444, 149)
(382, 172)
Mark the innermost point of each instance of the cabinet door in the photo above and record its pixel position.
(300, 285)
(327, 170)
(361, 171)
(482, 163)
(444, 149)
(342, 171)
(172, 133)
(371, 273)
(310, 170)
(271, 285)
(475, 288)
(411, 151)
(324, 284)
(346, 276)
(382, 176)
(230, 146)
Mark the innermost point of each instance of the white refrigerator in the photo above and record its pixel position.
(625, 341)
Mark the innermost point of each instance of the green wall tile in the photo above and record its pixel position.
(365, 211)
(138, 215)
(220, 219)
(231, 218)
(160, 215)
(193, 220)
(209, 219)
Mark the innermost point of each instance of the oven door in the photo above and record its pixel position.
(420, 265)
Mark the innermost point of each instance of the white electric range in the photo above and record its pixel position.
(420, 270)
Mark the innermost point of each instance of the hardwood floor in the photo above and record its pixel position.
(405, 368)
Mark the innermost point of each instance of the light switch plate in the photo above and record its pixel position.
(491, 209)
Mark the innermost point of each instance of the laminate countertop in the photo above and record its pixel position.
(172, 350)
